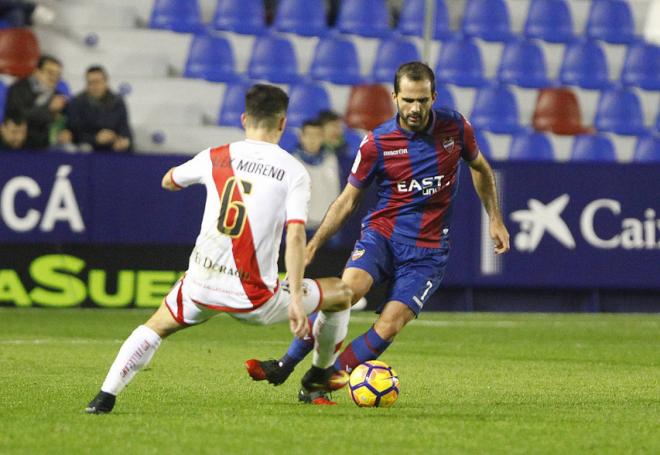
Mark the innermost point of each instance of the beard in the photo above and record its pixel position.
(415, 122)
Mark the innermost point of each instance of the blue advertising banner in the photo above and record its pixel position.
(572, 225)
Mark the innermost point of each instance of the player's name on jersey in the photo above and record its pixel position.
(208, 264)
(252, 167)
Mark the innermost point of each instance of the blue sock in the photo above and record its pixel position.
(299, 348)
(368, 346)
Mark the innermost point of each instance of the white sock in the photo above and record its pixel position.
(329, 331)
(134, 354)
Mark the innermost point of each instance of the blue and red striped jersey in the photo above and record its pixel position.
(417, 176)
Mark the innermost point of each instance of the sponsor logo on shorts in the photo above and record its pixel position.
(357, 254)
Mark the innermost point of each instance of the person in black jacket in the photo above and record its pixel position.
(36, 98)
(98, 116)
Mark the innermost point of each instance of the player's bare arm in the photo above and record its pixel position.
(335, 217)
(484, 183)
(295, 268)
(168, 182)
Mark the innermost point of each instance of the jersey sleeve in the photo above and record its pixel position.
(470, 147)
(298, 197)
(364, 166)
(193, 170)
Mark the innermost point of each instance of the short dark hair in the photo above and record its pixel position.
(14, 116)
(265, 103)
(327, 116)
(97, 69)
(46, 58)
(312, 122)
(415, 71)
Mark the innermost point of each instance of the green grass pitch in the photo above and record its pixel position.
(470, 383)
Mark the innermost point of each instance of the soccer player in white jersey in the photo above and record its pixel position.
(254, 188)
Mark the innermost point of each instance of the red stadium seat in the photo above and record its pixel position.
(368, 106)
(19, 52)
(558, 111)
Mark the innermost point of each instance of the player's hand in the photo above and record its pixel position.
(298, 319)
(500, 236)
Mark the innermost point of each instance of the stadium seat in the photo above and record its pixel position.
(549, 20)
(531, 146)
(368, 106)
(592, 147)
(611, 21)
(335, 60)
(3, 99)
(495, 109)
(487, 19)
(642, 66)
(177, 15)
(273, 59)
(241, 16)
(233, 104)
(210, 58)
(303, 17)
(647, 149)
(619, 111)
(306, 100)
(411, 20)
(390, 54)
(19, 52)
(460, 63)
(484, 145)
(289, 140)
(584, 65)
(523, 64)
(444, 97)
(558, 111)
(364, 17)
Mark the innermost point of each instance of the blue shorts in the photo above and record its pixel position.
(415, 272)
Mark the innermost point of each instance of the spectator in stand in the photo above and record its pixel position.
(334, 139)
(13, 131)
(36, 98)
(323, 169)
(98, 117)
(20, 13)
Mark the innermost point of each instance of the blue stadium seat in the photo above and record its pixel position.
(3, 99)
(306, 100)
(523, 64)
(647, 149)
(484, 145)
(444, 97)
(336, 60)
(592, 147)
(274, 59)
(495, 109)
(487, 19)
(210, 58)
(364, 17)
(619, 111)
(289, 140)
(585, 65)
(611, 21)
(642, 66)
(233, 104)
(411, 20)
(531, 146)
(460, 63)
(549, 20)
(176, 15)
(63, 88)
(303, 17)
(241, 16)
(390, 54)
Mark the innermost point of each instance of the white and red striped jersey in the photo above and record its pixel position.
(252, 189)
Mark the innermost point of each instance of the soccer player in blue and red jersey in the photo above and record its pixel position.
(413, 159)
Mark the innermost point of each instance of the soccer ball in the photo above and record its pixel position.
(374, 384)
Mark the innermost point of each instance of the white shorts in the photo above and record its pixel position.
(187, 312)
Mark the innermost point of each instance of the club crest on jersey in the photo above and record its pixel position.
(357, 254)
(448, 144)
